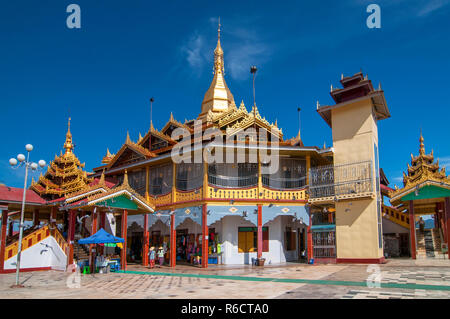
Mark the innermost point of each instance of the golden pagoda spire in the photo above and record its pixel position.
(218, 98)
(128, 140)
(68, 145)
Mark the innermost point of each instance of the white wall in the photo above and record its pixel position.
(39, 256)
(276, 254)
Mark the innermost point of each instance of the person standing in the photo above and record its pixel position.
(151, 257)
(421, 225)
(161, 256)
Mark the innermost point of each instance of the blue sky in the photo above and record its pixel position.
(126, 52)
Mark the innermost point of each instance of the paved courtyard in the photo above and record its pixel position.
(400, 279)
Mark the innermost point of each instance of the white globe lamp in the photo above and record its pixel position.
(21, 157)
(29, 147)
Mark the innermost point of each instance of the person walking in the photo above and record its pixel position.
(161, 256)
(151, 257)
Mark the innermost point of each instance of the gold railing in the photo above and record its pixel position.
(187, 196)
(233, 193)
(161, 200)
(286, 194)
(27, 241)
(395, 215)
(60, 240)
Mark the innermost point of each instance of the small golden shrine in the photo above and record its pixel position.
(64, 175)
(422, 170)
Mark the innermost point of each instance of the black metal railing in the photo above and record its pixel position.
(283, 183)
(344, 179)
(233, 182)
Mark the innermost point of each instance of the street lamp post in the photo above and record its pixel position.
(33, 166)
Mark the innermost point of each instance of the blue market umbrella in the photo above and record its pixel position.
(101, 237)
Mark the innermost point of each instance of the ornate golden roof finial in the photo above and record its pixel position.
(125, 179)
(128, 140)
(68, 145)
(218, 54)
(108, 153)
(422, 146)
(102, 178)
(152, 128)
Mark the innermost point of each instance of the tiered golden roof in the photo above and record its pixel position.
(64, 174)
(422, 168)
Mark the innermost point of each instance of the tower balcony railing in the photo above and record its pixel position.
(283, 183)
(341, 181)
(232, 181)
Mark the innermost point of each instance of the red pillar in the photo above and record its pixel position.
(310, 249)
(204, 236)
(102, 219)
(53, 217)
(71, 235)
(145, 244)
(412, 229)
(440, 207)
(447, 222)
(36, 217)
(10, 229)
(123, 253)
(3, 235)
(102, 223)
(94, 217)
(260, 234)
(173, 242)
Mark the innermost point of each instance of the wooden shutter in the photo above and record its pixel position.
(250, 242)
(241, 241)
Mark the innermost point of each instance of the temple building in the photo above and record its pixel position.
(425, 192)
(227, 187)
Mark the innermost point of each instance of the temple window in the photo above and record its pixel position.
(137, 180)
(161, 179)
(189, 176)
(291, 174)
(233, 174)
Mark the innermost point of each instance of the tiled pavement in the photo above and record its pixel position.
(238, 282)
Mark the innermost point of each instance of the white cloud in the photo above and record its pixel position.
(195, 51)
(242, 47)
(444, 162)
(432, 6)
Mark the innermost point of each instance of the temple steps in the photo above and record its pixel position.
(80, 252)
(429, 244)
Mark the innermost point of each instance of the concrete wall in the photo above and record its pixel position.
(355, 133)
(389, 227)
(40, 256)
